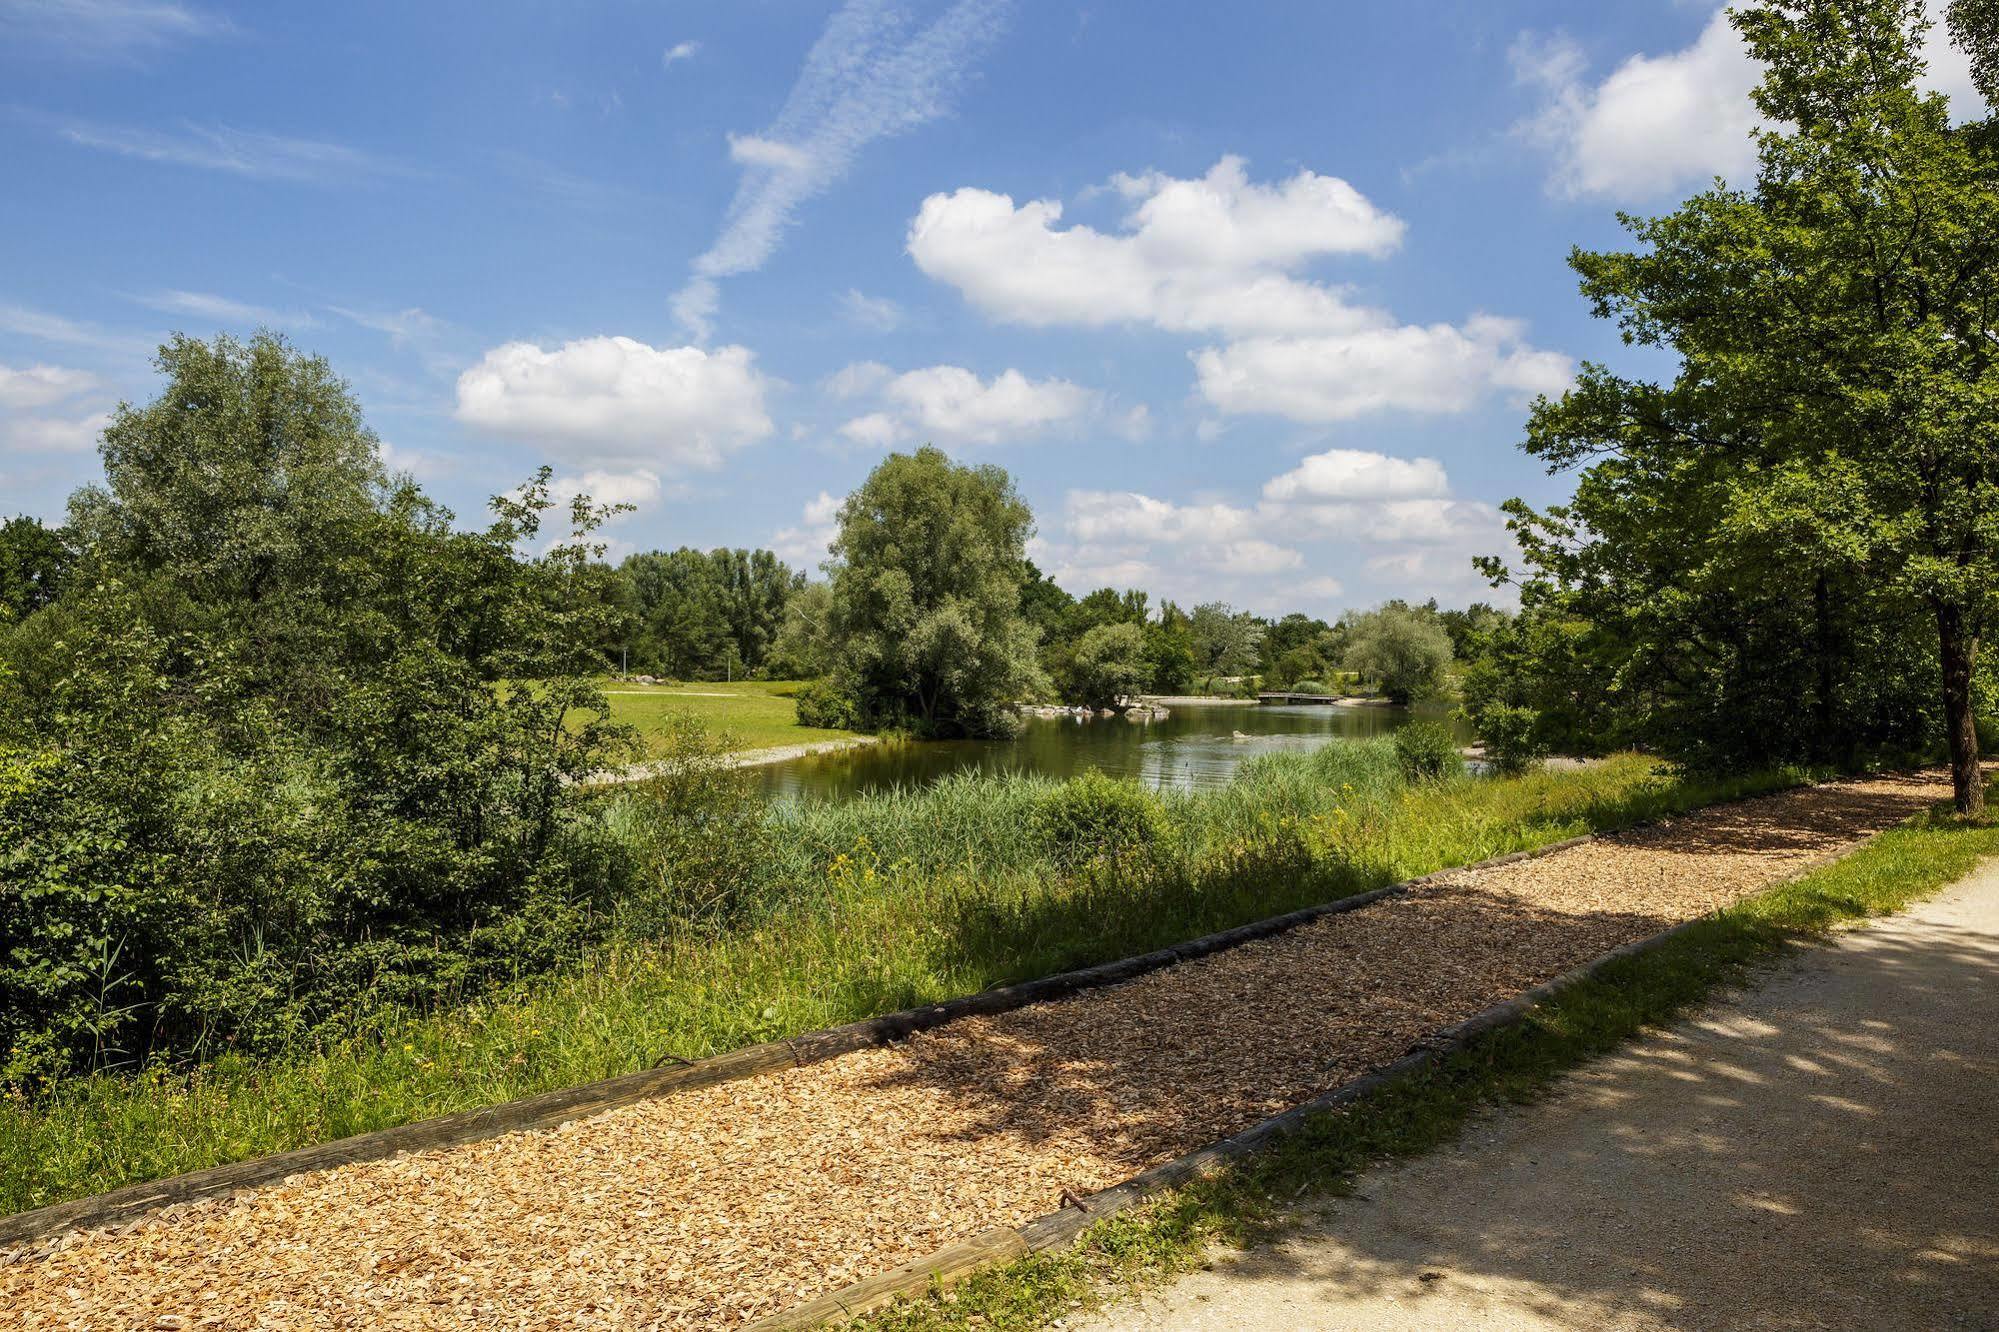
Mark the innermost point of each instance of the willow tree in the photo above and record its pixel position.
(1834, 420)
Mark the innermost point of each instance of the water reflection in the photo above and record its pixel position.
(1194, 747)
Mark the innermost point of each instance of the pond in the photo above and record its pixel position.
(1197, 745)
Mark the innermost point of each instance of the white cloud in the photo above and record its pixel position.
(401, 327)
(30, 434)
(1219, 254)
(678, 52)
(752, 151)
(234, 151)
(861, 377)
(615, 400)
(804, 546)
(1125, 538)
(874, 72)
(41, 385)
(45, 327)
(222, 310)
(874, 313)
(1661, 124)
(1357, 474)
(1337, 377)
(948, 404)
(608, 487)
(1214, 253)
(104, 29)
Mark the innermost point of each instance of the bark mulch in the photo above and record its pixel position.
(714, 1207)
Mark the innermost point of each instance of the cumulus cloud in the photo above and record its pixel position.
(1395, 518)
(614, 403)
(1358, 474)
(805, 545)
(874, 313)
(948, 404)
(36, 434)
(678, 52)
(1411, 368)
(1661, 124)
(875, 71)
(1221, 254)
(41, 385)
(1213, 253)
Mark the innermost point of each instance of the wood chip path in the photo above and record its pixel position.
(715, 1207)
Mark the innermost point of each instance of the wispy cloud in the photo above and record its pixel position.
(876, 71)
(236, 151)
(103, 29)
(401, 327)
(678, 52)
(222, 310)
(45, 327)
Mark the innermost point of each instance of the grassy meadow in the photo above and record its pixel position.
(748, 714)
(754, 921)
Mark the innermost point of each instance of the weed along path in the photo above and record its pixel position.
(718, 1206)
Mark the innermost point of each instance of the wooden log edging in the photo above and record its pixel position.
(1060, 1229)
(549, 1109)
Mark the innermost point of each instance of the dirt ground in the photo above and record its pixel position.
(1815, 1153)
(717, 1206)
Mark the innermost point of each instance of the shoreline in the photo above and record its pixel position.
(742, 758)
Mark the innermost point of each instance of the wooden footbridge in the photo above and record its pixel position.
(1302, 698)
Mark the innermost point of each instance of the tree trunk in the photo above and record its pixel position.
(1959, 652)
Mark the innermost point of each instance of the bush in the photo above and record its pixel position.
(1512, 743)
(825, 704)
(1097, 817)
(1427, 752)
(1988, 735)
(1310, 687)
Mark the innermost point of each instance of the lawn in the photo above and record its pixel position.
(748, 714)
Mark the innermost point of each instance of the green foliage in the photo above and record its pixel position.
(33, 560)
(1224, 640)
(1403, 649)
(1511, 736)
(1427, 752)
(694, 615)
(828, 705)
(693, 839)
(1096, 816)
(925, 616)
(1791, 549)
(863, 906)
(285, 746)
(1109, 665)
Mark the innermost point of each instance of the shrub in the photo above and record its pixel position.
(696, 835)
(1512, 743)
(827, 705)
(1095, 817)
(1427, 752)
(1310, 687)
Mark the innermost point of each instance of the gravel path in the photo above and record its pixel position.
(713, 1207)
(1816, 1153)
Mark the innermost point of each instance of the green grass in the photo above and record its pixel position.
(1249, 1202)
(749, 714)
(849, 909)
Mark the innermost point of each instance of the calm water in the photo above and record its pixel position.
(1194, 747)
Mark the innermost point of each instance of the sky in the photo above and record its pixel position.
(1251, 299)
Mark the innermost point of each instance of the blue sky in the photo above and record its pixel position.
(1250, 298)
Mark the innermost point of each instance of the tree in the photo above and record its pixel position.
(33, 560)
(926, 574)
(1169, 650)
(1225, 640)
(1108, 666)
(1401, 648)
(803, 649)
(286, 743)
(1826, 460)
